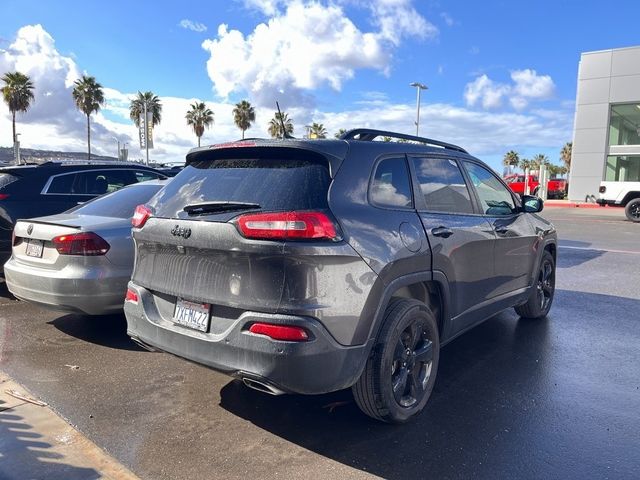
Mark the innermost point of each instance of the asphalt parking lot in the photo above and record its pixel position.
(558, 398)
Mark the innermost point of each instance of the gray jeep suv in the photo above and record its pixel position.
(309, 266)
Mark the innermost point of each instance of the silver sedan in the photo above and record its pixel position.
(80, 260)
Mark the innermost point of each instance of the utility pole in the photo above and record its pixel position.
(419, 87)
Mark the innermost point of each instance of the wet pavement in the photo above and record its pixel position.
(558, 398)
(37, 444)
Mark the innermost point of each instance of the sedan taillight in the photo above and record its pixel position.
(84, 244)
(140, 216)
(287, 226)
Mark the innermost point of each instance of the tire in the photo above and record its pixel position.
(405, 356)
(541, 298)
(632, 210)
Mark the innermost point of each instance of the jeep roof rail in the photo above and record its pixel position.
(368, 134)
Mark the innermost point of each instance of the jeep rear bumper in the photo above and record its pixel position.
(319, 365)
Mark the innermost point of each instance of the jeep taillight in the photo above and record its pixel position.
(140, 216)
(287, 226)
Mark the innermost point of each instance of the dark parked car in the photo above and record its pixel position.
(309, 266)
(38, 190)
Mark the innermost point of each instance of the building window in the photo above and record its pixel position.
(623, 168)
(625, 124)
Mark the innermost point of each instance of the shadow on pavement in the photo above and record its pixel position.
(108, 330)
(578, 256)
(462, 416)
(24, 455)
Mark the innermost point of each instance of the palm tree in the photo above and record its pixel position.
(88, 97)
(511, 159)
(317, 130)
(243, 116)
(199, 117)
(153, 105)
(17, 94)
(565, 154)
(524, 164)
(538, 160)
(340, 132)
(275, 125)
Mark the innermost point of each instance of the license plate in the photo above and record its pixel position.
(192, 315)
(35, 248)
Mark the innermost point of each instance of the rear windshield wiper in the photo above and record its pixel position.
(219, 206)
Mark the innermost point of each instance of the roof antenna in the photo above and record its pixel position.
(284, 130)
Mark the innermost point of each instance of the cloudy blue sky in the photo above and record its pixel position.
(501, 74)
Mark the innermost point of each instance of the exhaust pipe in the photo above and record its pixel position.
(261, 386)
(140, 343)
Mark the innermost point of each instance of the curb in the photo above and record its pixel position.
(37, 443)
(567, 204)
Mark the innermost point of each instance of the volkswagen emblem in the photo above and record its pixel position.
(30, 229)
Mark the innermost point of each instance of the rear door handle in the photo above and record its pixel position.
(501, 230)
(441, 232)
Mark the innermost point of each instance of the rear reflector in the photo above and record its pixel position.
(4, 196)
(131, 296)
(287, 225)
(140, 216)
(280, 332)
(85, 244)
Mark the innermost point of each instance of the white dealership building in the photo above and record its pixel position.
(606, 135)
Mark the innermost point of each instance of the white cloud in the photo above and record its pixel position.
(398, 19)
(54, 122)
(485, 91)
(305, 45)
(193, 26)
(448, 19)
(527, 86)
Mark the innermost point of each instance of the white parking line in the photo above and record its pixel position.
(600, 249)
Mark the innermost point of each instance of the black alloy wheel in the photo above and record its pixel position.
(543, 290)
(546, 284)
(412, 363)
(399, 376)
(632, 210)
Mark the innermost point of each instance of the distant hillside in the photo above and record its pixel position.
(29, 155)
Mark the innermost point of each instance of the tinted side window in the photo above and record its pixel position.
(98, 182)
(443, 185)
(144, 175)
(495, 198)
(62, 184)
(391, 186)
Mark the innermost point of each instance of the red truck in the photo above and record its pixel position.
(556, 187)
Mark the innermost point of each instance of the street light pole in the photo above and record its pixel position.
(419, 87)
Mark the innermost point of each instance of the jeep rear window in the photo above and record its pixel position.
(276, 184)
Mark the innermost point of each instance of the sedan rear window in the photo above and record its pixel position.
(119, 204)
(275, 184)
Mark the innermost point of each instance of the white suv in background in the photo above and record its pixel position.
(622, 194)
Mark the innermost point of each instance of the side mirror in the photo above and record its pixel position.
(532, 204)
